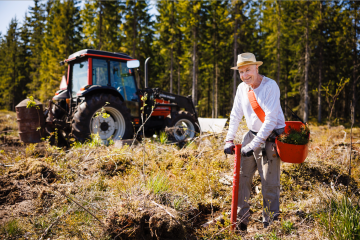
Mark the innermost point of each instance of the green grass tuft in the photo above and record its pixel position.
(158, 183)
(341, 219)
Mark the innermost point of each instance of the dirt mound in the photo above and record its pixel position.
(153, 222)
(114, 166)
(9, 192)
(320, 173)
(23, 190)
(33, 169)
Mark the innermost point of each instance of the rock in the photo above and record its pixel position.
(122, 143)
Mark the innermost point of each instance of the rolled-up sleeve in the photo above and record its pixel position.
(235, 116)
(272, 109)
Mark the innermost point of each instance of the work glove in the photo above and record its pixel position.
(247, 151)
(229, 147)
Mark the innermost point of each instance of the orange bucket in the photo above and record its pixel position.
(292, 153)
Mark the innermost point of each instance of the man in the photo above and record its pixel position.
(258, 145)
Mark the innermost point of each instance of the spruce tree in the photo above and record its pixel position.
(62, 38)
(136, 30)
(10, 79)
(101, 20)
(24, 64)
(36, 24)
(167, 44)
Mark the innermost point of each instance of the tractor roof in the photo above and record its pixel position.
(98, 53)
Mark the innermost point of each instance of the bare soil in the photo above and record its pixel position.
(24, 188)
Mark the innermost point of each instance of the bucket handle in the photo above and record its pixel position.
(294, 115)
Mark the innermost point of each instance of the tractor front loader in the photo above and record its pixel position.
(99, 95)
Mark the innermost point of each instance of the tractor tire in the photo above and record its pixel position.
(88, 118)
(182, 126)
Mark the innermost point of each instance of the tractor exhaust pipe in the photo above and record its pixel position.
(146, 73)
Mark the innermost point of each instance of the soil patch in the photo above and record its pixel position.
(23, 190)
(324, 173)
(136, 222)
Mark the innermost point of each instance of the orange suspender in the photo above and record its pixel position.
(255, 106)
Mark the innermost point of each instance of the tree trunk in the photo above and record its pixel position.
(354, 98)
(194, 99)
(134, 42)
(215, 77)
(216, 89)
(307, 63)
(100, 26)
(171, 51)
(320, 63)
(278, 44)
(235, 51)
(178, 90)
(286, 97)
(178, 68)
(213, 94)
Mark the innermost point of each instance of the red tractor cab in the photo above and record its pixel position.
(100, 96)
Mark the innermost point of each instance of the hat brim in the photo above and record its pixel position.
(259, 63)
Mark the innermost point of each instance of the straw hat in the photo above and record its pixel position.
(245, 59)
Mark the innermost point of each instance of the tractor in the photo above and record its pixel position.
(100, 96)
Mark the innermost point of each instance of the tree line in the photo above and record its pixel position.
(310, 48)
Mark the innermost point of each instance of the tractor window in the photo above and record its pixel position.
(123, 80)
(79, 76)
(100, 72)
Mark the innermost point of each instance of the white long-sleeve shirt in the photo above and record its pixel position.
(268, 97)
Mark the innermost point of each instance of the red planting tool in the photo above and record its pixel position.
(235, 185)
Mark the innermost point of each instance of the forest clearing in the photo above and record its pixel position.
(70, 185)
(158, 190)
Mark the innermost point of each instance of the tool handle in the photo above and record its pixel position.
(234, 202)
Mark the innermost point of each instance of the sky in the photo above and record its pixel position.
(12, 9)
(15, 8)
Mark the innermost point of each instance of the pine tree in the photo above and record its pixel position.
(166, 28)
(356, 17)
(36, 24)
(136, 29)
(101, 20)
(193, 18)
(320, 43)
(62, 38)
(24, 63)
(10, 79)
(218, 48)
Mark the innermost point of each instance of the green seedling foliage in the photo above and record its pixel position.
(287, 227)
(298, 137)
(163, 137)
(158, 184)
(31, 103)
(273, 236)
(340, 219)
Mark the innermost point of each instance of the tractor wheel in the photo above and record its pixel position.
(102, 114)
(181, 126)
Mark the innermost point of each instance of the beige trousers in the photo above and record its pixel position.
(269, 170)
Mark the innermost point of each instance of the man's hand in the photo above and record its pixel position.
(247, 151)
(229, 147)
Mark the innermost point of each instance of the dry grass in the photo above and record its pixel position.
(109, 185)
